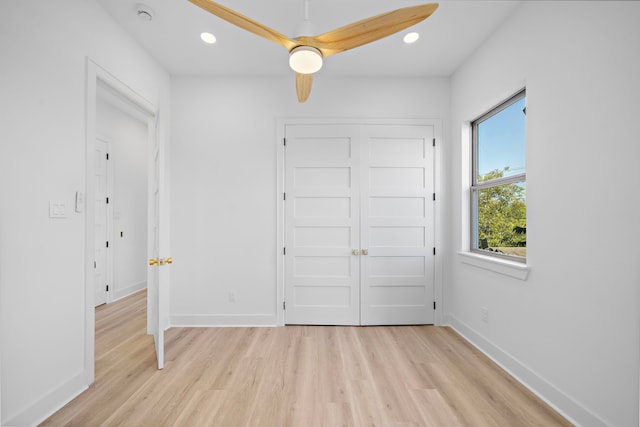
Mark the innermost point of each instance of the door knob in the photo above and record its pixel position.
(354, 252)
(169, 260)
(153, 261)
(365, 252)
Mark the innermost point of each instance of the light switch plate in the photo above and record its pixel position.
(57, 209)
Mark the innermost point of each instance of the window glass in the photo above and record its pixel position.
(501, 144)
(502, 219)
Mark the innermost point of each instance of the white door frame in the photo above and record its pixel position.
(96, 73)
(282, 123)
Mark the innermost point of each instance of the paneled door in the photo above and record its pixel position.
(396, 221)
(156, 314)
(101, 222)
(322, 227)
(359, 224)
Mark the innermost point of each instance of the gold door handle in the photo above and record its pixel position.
(354, 252)
(365, 252)
(160, 261)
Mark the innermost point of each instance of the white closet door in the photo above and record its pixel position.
(100, 221)
(397, 219)
(322, 283)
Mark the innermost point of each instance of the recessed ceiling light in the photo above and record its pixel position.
(208, 38)
(411, 37)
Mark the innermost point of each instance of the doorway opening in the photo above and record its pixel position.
(116, 109)
(120, 197)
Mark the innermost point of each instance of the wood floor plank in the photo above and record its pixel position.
(294, 376)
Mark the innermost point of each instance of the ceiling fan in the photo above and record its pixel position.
(307, 51)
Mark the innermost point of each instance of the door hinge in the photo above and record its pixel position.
(107, 200)
(434, 305)
(107, 288)
(284, 141)
(107, 156)
(284, 251)
(434, 251)
(95, 265)
(284, 305)
(434, 197)
(434, 142)
(107, 243)
(284, 196)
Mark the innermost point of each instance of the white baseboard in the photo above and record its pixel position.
(129, 290)
(220, 320)
(561, 402)
(45, 406)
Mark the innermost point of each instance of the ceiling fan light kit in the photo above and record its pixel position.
(305, 59)
(306, 52)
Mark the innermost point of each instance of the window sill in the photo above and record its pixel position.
(501, 266)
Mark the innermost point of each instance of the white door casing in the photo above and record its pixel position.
(367, 188)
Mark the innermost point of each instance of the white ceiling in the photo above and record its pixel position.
(447, 38)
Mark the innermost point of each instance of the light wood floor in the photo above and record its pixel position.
(294, 376)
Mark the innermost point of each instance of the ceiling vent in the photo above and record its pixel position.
(144, 12)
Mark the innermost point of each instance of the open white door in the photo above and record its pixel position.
(156, 273)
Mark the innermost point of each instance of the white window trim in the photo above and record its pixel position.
(506, 267)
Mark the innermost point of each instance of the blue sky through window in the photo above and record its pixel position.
(501, 141)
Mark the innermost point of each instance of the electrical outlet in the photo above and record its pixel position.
(232, 296)
(484, 314)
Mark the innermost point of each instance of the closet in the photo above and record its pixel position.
(359, 224)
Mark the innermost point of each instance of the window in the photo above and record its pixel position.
(498, 188)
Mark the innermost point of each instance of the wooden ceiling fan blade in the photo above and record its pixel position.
(303, 86)
(370, 29)
(245, 23)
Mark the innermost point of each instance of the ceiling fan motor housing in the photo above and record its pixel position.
(305, 28)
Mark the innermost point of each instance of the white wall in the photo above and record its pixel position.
(572, 329)
(224, 180)
(43, 46)
(128, 156)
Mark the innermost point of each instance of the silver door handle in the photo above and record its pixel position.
(365, 252)
(354, 252)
